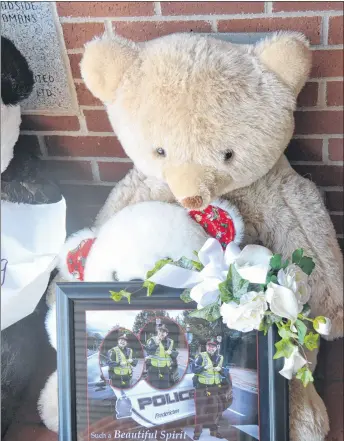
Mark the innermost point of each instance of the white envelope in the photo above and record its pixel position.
(31, 238)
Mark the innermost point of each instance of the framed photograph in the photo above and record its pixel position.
(146, 370)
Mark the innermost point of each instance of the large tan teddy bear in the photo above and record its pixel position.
(203, 118)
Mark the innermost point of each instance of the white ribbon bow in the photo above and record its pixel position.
(252, 263)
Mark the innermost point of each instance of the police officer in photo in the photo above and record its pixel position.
(211, 388)
(159, 361)
(121, 363)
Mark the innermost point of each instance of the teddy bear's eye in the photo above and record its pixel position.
(160, 151)
(228, 155)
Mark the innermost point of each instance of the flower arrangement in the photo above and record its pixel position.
(250, 289)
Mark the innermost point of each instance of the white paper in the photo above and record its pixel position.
(31, 238)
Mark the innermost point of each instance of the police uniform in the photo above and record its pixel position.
(159, 362)
(211, 391)
(121, 375)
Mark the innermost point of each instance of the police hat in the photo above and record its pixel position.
(212, 342)
(163, 328)
(123, 337)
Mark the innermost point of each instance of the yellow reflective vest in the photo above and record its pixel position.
(161, 359)
(209, 377)
(121, 358)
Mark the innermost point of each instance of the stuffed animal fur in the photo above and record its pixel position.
(203, 118)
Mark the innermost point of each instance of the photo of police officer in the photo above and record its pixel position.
(166, 353)
(124, 359)
(213, 389)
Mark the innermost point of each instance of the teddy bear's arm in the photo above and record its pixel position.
(296, 217)
(133, 188)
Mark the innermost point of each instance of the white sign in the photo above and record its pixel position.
(33, 28)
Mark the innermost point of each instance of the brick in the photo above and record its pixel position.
(113, 171)
(306, 6)
(74, 60)
(327, 63)
(85, 97)
(77, 34)
(305, 150)
(335, 34)
(69, 170)
(322, 175)
(335, 93)
(108, 146)
(97, 121)
(147, 30)
(43, 122)
(310, 26)
(335, 149)
(338, 222)
(322, 121)
(85, 194)
(104, 9)
(308, 96)
(28, 143)
(334, 200)
(199, 8)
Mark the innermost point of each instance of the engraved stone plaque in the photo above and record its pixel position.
(32, 26)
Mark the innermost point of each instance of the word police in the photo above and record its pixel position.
(169, 398)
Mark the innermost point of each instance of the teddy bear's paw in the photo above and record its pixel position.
(308, 415)
(48, 403)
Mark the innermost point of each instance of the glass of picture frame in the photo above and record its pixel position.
(146, 370)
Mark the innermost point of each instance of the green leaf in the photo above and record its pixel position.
(185, 296)
(276, 262)
(317, 321)
(117, 296)
(286, 333)
(312, 341)
(225, 291)
(268, 321)
(242, 290)
(297, 255)
(271, 277)
(159, 264)
(209, 313)
(305, 375)
(150, 287)
(307, 265)
(301, 331)
(284, 348)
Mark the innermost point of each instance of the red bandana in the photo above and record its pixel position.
(216, 222)
(76, 258)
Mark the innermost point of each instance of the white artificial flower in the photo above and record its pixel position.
(282, 301)
(247, 315)
(292, 364)
(252, 263)
(324, 328)
(295, 279)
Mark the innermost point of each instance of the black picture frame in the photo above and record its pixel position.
(273, 388)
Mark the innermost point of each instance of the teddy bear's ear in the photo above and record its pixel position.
(104, 62)
(287, 54)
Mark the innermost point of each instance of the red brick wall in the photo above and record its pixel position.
(84, 154)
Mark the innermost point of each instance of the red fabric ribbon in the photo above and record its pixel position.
(216, 222)
(76, 258)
